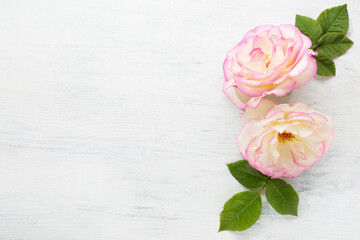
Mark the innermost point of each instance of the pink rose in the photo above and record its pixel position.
(269, 60)
(283, 140)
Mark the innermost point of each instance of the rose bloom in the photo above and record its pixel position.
(284, 140)
(269, 60)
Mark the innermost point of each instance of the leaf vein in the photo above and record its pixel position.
(334, 20)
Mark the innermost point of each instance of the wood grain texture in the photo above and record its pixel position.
(113, 124)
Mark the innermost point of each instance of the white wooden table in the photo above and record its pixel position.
(113, 124)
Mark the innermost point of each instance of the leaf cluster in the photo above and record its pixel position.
(244, 208)
(327, 34)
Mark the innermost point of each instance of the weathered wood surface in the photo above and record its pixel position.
(113, 124)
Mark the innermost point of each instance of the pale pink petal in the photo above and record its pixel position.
(242, 52)
(300, 67)
(314, 150)
(308, 74)
(326, 133)
(285, 156)
(300, 116)
(306, 44)
(247, 133)
(257, 63)
(260, 111)
(258, 30)
(263, 42)
(235, 95)
(288, 30)
(254, 102)
(251, 90)
(284, 88)
(300, 108)
(277, 58)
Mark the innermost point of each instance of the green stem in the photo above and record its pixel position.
(262, 188)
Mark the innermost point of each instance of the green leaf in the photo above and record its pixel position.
(334, 19)
(333, 44)
(309, 27)
(241, 211)
(282, 197)
(247, 175)
(325, 65)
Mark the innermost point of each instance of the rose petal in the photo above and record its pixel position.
(263, 107)
(235, 95)
(308, 74)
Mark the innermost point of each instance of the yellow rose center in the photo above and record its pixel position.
(267, 60)
(285, 136)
